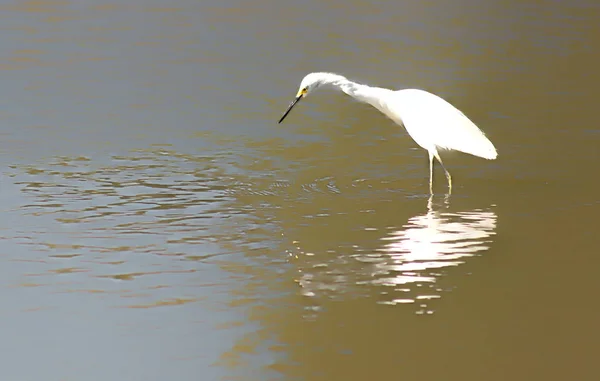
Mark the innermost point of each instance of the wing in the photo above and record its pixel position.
(433, 122)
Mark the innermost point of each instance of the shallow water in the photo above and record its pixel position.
(159, 224)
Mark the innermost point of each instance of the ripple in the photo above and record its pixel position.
(407, 262)
(322, 185)
(155, 219)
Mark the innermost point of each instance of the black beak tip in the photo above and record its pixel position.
(289, 109)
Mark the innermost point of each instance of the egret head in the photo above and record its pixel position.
(309, 83)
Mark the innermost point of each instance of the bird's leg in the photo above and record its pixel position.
(431, 172)
(437, 156)
(447, 200)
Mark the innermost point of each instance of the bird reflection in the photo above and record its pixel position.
(410, 259)
(432, 241)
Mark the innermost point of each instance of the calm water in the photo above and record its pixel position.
(159, 224)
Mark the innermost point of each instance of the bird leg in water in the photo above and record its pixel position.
(437, 156)
(425, 111)
(430, 172)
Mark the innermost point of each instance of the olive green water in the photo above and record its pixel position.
(158, 224)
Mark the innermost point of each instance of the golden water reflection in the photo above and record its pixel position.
(411, 259)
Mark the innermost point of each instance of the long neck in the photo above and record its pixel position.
(363, 93)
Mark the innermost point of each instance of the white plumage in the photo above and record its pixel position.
(431, 121)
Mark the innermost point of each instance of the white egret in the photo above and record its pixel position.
(431, 121)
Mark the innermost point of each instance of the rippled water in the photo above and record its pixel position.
(402, 262)
(149, 230)
(159, 223)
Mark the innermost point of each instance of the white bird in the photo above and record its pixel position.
(431, 121)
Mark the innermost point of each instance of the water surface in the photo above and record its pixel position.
(159, 224)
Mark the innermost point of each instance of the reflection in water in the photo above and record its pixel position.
(410, 259)
(142, 221)
(149, 242)
(429, 242)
